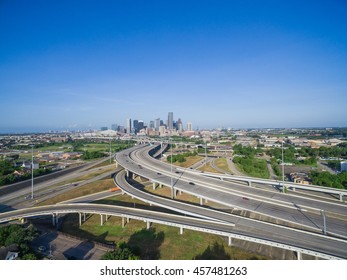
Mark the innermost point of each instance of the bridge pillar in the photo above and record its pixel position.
(128, 173)
(106, 218)
(53, 220)
(101, 219)
(148, 225)
(230, 241)
(160, 185)
(123, 222)
(128, 219)
(201, 201)
(250, 183)
(116, 164)
(181, 230)
(80, 219)
(299, 255)
(341, 196)
(173, 193)
(84, 217)
(154, 185)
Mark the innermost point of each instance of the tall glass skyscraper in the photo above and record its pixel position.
(170, 120)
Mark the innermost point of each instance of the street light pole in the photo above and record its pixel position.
(110, 152)
(32, 172)
(282, 168)
(171, 165)
(324, 222)
(205, 153)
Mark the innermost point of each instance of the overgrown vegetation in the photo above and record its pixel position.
(20, 236)
(7, 175)
(252, 166)
(326, 179)
(181, 157)
(122, 252)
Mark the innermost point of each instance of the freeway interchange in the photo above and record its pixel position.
(289, 221)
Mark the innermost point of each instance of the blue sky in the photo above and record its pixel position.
(235, 64)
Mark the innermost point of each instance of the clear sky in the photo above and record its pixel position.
(79, 64)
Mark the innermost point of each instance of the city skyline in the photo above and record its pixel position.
(214, 64)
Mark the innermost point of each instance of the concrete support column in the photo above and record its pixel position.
(128, 219)
(230, 241)
(173, 193)
(181, 230)
(101, 219)
(154, 185)
(160, 185)
(106, 218)
(123, 222)
(250, 183)
(201, 201)
(299, 255)
(128, 173)
(116, 164)
(341, 197)
(148, 225)
(84, 217)
(180, 192)
(80, 218)
(53, 220)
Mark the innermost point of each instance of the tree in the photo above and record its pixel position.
(122, 252)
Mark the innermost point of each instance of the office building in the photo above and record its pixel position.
(128, 125)
(157, 124)
(135, 127)
(189, 126)
(170, 120)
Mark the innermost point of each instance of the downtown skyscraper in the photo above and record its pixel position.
(170, 120)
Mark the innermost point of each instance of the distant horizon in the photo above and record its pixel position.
(216, 64)
(62, 130)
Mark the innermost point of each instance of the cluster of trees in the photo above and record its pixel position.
(20, 236)
(290, 154)
(247, 162)
(252, 166)
(92, 155)
(181, 157)
(7, 169)
(326, 179)
(122, 252)
(245, 151)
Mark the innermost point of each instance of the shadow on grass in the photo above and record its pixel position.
(146, 243)
(214, 252)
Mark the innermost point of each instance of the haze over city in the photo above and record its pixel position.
(234, 64)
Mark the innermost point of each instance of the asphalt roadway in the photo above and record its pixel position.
(288, 208)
